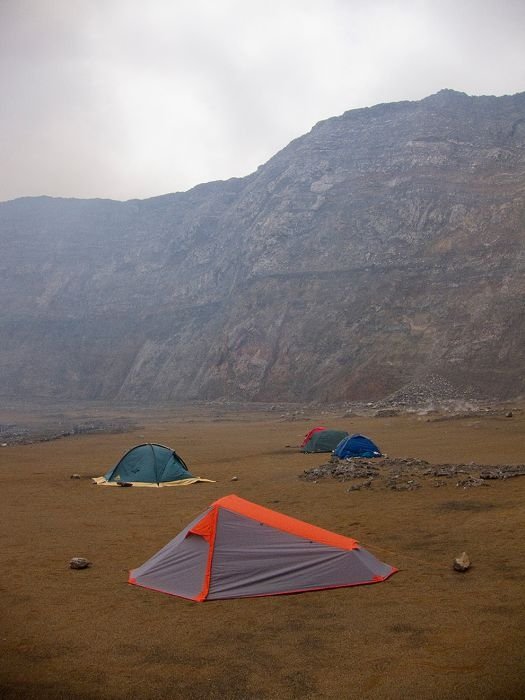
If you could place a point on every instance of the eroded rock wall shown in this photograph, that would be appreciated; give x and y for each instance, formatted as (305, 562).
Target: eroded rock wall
(385, 245)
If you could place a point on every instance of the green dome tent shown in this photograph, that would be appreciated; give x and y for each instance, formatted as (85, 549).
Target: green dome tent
(149, 465)
(324, 440)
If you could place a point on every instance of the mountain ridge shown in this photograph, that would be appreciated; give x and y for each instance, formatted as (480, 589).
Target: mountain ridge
(236, 288)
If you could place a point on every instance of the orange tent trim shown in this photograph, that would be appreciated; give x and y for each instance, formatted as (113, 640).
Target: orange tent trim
(285, 522)
(208, 531)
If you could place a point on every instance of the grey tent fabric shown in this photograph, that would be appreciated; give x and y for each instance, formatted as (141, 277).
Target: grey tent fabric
(179, 567)
(252, 559)
(236, 549)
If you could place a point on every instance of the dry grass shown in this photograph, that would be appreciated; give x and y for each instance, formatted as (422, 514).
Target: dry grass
(426, 633)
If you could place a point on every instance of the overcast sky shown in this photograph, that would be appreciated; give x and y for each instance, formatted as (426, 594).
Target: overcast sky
(134, 98)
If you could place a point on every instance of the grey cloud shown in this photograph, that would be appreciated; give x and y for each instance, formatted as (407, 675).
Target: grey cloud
(129, 99)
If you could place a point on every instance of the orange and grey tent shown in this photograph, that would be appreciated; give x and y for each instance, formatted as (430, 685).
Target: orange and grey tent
(237, 549)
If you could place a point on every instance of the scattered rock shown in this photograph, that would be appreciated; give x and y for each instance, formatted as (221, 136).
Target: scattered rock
(462, 563)
(404, 474)
(491, 474)
(75, 476)
(46, 432)
(342, 470)
(364, 485)
(79, 563)
(470, 482)
(410, 485)
(503, 472)
(4, 444)
(446, 470)
(433, 389)
(234, 478)
(508, 414)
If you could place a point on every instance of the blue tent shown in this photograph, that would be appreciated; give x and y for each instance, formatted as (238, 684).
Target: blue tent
(357, 446)
(150, 464)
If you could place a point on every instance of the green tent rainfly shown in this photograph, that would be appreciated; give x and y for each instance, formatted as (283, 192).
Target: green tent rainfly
(324, 440)
(148, 464)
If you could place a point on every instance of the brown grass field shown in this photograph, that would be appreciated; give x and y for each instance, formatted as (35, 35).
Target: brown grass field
(427, 632)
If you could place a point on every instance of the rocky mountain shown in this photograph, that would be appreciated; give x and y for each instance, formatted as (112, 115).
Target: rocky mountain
(383, 247)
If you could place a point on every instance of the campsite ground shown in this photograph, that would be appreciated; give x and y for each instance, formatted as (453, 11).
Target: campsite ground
(427, 632)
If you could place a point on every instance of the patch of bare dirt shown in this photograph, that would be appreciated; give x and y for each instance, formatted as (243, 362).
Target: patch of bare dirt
(24, 434)
(426, 633)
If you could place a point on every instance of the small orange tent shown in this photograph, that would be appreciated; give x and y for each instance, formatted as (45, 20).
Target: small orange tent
(238, 549)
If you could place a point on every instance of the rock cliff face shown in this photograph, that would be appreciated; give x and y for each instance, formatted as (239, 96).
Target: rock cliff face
(383, 246)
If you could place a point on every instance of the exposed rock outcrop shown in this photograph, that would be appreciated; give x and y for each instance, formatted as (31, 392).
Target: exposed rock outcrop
(384, 247)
